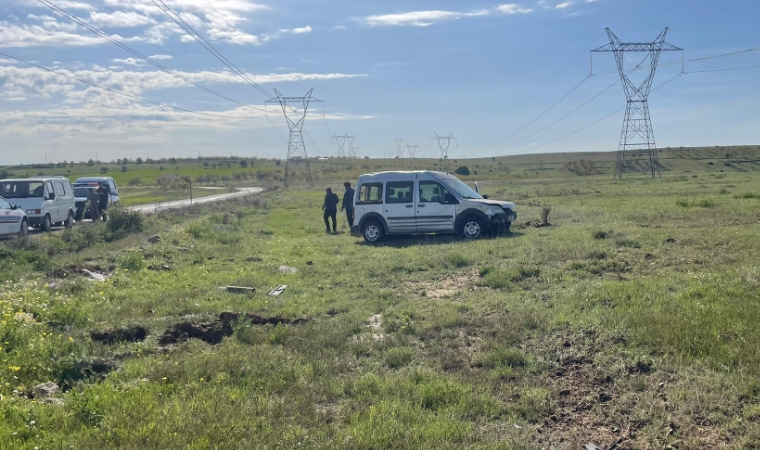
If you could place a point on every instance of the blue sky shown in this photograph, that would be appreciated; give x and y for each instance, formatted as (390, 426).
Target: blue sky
(385, 70)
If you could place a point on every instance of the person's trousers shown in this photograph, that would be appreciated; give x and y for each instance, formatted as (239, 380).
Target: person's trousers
(331, 214)
(94, 212)
(350, 217)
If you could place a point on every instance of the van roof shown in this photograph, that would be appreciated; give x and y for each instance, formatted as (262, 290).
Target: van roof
(57, 178)
(391, 174)
(91, 179)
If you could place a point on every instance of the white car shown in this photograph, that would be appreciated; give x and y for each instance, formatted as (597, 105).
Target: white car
(425, 202)
(13, 220)
(47, 201)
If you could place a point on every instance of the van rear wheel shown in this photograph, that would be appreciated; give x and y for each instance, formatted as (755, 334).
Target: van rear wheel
(47, 223)
(70, 221)
(373, 232)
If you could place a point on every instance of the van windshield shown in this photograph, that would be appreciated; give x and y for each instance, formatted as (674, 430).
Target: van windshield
(461, 188)
(22, 189)
(81, 191)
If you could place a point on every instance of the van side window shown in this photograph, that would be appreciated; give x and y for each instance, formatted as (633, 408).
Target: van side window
(67, 189)
(49, 187)
(58, 189)
(399, 192)
(371, 193)
(434, 192)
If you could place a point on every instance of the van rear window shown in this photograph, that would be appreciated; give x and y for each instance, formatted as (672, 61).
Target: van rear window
(22, 189)
(371, 193)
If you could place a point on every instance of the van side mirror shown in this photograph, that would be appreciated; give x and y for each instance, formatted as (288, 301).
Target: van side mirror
(485, 197)
(51, 196)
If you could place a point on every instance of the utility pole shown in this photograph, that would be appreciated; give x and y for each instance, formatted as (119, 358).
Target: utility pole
(412, 149)
(637, 151)
(295, 116)
(444, 143)
(400, 151)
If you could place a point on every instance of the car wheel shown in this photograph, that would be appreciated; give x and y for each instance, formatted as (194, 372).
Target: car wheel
(47, 224)
(70, 221)
(472, 228)
(24, 230)
(373, 232)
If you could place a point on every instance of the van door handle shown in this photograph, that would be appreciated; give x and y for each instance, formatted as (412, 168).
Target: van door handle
(410, 206)
(420, 206)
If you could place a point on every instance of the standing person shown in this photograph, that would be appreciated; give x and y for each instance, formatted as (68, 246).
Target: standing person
(103, 199)
(348, 204)
(330, 207)
(94, 199)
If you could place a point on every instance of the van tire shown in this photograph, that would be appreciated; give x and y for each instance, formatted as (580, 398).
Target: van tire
(472, 228)
(373, 232)
(47, 223)
(70, 221)
(24, 230)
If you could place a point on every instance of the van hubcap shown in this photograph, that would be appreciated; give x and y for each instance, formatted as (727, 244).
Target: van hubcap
(472, 230)
(372, 232)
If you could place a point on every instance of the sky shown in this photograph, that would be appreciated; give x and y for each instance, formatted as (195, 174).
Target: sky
(504, 78)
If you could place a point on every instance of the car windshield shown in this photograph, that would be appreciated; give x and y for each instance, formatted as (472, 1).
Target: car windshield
(461, 188)
(22, 189)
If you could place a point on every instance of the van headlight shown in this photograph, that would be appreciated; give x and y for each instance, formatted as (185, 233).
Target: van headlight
(493, 210)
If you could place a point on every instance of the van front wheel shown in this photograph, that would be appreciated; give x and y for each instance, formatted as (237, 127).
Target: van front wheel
(47, 224)
(373, 232)
(472, 228)
(70, 221)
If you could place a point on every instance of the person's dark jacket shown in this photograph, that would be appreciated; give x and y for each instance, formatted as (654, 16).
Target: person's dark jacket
(348, 199)
(331, 202)
(104, 196)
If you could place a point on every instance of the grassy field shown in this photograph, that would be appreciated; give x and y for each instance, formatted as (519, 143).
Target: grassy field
(630, 322)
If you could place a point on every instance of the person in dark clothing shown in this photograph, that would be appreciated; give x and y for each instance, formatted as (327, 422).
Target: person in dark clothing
(330, 207)
(348, 204)
(94, 200)
(103, 198)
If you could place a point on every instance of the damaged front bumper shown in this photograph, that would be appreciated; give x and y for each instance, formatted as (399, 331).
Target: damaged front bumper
(501, 223)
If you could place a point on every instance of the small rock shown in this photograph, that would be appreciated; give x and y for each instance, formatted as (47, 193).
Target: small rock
(309, 263)
(604, 397)
(565, 392)
(45, 390)
(155, 239)
(670, 240)
(289, 270)
(94, 276)
(52, 401)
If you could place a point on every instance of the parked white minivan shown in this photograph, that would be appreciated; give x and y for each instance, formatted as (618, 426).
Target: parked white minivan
(47, 201)
(425, 202)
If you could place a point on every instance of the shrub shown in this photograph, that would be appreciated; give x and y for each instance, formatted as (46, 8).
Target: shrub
(104, 170)
(462, 170)
(123, 168)
(122, 222)
(600, 235)
(135, 182)
(505, 357)
(746, 196)
(399, 357)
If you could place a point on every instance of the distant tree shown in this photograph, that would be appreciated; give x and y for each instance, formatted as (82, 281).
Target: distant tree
(462, 170)
(213, 166)
(90, 163)
(40, 174)
(123, 168)
(139, 160)
(161, 168)
(104, 170)
(277, 163)
(243, 163)
(205, 164)
(173, 160)
(71, 164)
(4, 174)
(229, 166)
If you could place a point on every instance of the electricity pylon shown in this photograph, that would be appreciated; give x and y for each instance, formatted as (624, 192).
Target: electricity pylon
(444, 143)
(412, 149)
(637, 151)
(352, 149)
(340, 142)
(295, 109)
(400, 152)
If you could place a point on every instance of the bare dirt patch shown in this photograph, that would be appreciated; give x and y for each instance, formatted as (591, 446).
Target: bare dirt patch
(80, 270)
(136, 333)
(445, 288)
(214, 332)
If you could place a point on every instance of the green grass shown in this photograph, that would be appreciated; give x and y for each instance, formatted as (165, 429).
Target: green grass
(628, 317)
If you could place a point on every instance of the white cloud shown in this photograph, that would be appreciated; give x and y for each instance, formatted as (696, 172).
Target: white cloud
(161, 57)
(306, 29)
(421, 18)
(119, 19)
(129, 61)
(513, 8)
(35, 35)
(563, 5)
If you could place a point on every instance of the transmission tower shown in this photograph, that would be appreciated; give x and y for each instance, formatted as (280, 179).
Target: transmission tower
(295, 109)
(444, 143)
(400, 152)
(340, 142)
(412, 149)
(637, 151)
(352, 149)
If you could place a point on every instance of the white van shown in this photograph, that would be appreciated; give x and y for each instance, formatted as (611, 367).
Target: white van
(46, 201)
(425, 202)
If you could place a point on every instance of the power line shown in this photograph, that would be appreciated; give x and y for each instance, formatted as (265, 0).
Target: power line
(163, 68)
(726, 69)
(198, 38)
(116, 91)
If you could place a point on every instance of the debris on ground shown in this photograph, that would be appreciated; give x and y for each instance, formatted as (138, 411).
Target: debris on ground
(71, 270)
(278, 290)
(99, 277)
(239, 290)
(155, 239)
(45, 390)
(289, 270)
(376, 324)
(161, 268)
(24, 317)
(215, 332)
(136, 333)
(52, 401)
